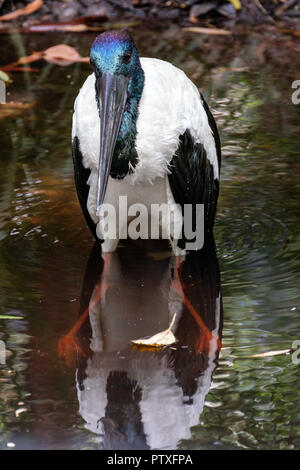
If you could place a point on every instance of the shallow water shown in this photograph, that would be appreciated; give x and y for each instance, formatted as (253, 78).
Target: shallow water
(83, 386)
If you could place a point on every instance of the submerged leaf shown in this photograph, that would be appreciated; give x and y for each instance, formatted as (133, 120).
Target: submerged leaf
(30, 58)
(12, 110)
(3, 76)
(61, 54)
(164, 338)
(10, 317)
(27, 10)
(272, 353)
(200, 30)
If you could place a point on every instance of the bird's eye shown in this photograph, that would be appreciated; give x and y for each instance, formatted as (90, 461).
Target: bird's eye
(126, 57)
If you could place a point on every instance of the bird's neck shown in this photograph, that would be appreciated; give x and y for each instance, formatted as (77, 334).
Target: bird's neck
(125, 156)
(127, 133)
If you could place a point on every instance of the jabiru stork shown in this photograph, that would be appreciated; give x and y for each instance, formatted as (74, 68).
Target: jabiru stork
(141, 129)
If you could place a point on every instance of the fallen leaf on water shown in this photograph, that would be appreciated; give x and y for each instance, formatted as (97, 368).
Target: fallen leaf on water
(73, 28)
(272, 353)
(30, 58)
(63, 55)
(200, 30)
(3, 76)
(20, 411)
(294, 32)
(27, 10)
(16, 68)
(164, 338)
(230, 69)
(10, 317)
(11, 110)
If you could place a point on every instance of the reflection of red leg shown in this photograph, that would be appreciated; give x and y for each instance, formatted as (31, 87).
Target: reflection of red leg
(67, 344)
(207, 335)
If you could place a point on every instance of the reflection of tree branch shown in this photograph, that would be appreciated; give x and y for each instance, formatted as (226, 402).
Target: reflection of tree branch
(17, 40)
(69, 91)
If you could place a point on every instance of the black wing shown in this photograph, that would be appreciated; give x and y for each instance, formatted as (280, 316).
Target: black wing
(81, 176)
(192, 178)
(213, 127)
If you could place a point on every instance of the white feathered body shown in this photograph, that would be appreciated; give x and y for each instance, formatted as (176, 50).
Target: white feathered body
(170, 104)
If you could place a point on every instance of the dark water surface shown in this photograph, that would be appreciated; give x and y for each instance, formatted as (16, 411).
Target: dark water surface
(83, 386)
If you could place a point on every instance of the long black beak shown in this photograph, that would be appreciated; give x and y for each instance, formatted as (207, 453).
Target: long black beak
(112, 90)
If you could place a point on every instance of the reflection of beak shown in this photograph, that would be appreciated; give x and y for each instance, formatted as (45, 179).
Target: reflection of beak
(112, 90)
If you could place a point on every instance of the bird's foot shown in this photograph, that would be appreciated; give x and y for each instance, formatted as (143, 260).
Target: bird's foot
(67, 346)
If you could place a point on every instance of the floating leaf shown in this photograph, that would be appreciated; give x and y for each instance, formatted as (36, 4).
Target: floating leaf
(73, 28)
(10, 317)
(200, 30)
(164, 338)
(236, 3)
(15, 68)
(20, 411)
(272, 353)
(27, 10)
(12, 110)
(61, 54)
(3, 76)
(30, 58)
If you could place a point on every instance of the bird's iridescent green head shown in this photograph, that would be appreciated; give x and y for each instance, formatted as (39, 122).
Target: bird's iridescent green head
(115, 52)
(119, 85)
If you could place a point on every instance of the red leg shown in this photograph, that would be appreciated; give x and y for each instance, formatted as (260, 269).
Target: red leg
(207, 335)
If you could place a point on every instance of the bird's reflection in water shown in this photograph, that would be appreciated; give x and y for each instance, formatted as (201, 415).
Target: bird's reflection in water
(141, 399)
